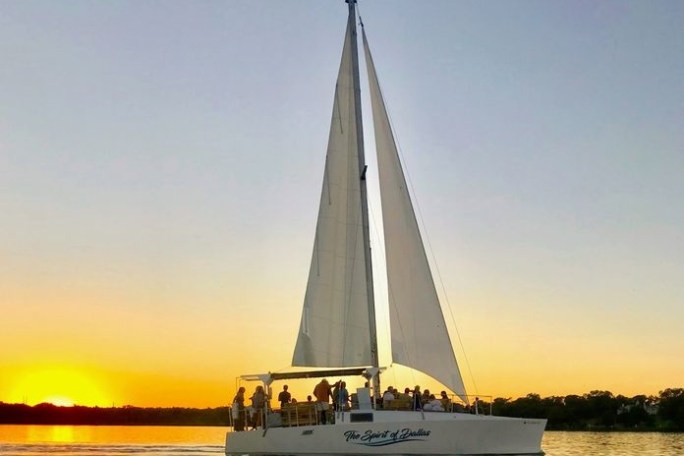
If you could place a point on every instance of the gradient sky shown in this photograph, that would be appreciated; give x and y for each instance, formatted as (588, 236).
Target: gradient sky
(161, 163)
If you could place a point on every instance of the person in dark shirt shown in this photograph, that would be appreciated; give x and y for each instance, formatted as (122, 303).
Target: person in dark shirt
(284, 397)
(417, 402)
(239, 410)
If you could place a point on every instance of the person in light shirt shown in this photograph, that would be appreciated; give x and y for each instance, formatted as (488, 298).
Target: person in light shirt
(388, 395)
(433, 405)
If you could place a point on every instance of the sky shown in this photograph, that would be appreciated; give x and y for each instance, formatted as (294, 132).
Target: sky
(161, 163)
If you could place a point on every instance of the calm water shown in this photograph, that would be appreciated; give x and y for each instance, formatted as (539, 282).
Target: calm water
(208, 441)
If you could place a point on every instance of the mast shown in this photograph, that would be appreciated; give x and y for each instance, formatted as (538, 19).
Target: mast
(364, 196)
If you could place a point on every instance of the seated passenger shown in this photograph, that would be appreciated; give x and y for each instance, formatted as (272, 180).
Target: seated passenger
(388, 395)
(433, 405)
(446, 402)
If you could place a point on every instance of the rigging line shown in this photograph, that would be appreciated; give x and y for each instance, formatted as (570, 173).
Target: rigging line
(427, 239)
(358, 11)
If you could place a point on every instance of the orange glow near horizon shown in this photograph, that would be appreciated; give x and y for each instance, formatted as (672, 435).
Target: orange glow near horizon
(58, 386)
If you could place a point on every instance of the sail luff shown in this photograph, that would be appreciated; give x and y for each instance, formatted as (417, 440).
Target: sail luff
(419, 335)
(375, 362)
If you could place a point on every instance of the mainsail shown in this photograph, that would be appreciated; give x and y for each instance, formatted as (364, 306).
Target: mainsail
(335, 329)
(420, 338)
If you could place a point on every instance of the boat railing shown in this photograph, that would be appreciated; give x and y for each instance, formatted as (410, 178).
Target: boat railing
(308, 414)
(480, 405)
(300, 414)
(450, 404)
(249, 418)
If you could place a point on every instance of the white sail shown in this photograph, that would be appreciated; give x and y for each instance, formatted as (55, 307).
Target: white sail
(338, 323)
(419, 335)
(335, 328)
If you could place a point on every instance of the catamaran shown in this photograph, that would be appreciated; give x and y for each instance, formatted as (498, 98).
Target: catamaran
(337, 335)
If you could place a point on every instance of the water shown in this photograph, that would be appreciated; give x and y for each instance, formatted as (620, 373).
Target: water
(208, 441)
(35, 440)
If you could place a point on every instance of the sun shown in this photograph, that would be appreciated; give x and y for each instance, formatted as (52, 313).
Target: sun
(61, 386)
(60, 401)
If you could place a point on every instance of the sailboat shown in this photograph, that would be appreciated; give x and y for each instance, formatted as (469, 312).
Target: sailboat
(337, 335)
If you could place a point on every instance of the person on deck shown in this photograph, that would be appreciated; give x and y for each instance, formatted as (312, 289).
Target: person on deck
(238, 410)
(434, 405)
(258, 404)
(446, 402)
(388, 397)
(322, 392)
(284, 397)
(342, 398)
(335, 392)
(417, 402)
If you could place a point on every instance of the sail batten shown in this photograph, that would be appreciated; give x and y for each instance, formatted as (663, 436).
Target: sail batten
(419, 335)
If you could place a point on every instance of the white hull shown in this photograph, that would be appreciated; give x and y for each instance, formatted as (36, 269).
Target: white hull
(396, 432)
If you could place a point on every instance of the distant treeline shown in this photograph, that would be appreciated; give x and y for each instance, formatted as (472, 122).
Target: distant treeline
(127, 415)
(597, 410)
(600, 410)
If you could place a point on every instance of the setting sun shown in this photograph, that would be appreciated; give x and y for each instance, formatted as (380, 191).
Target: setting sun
(59, 386)
(60, 401)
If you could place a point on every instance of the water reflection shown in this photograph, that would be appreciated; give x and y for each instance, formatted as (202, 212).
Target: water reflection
(205, 441)
(613, 444)
(171, 435)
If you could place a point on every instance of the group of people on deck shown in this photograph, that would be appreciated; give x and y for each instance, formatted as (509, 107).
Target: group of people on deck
(419, 401)
(249, 416)
(324, 393)
(338, 393)
(254, 415)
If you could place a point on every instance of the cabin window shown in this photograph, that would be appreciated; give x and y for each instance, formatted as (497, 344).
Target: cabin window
(361, 418)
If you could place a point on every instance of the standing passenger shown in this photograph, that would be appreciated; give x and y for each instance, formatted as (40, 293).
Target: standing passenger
(335, 392)
(417, 403)
(239, 407)
(322, 392)
(342, 397)
(259, 405)
(284, 397)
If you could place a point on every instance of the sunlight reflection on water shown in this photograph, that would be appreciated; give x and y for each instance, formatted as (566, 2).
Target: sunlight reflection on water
(206, 441)
(613, 444)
